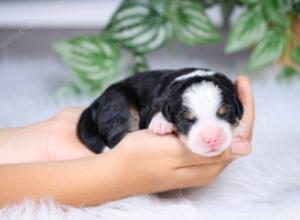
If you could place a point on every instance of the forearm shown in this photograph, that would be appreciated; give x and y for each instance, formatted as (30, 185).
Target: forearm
(23, 144)
(87, 181)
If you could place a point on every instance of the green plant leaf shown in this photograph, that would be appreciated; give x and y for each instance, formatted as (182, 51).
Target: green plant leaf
(276, 11)
(296, 9)
(287, 72)
(249, 2)
(209, 3)
(139, 64)
(190, 23)
(92, 59)
(267, 51)
(139, 27)
(227, 8)
(248, 29)
(295, 54)
(160, 5)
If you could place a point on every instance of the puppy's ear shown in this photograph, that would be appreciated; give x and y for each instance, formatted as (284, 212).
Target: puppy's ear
(224, 81)
(239, 109)
(170, 100)
(228, 85)
(167, 111)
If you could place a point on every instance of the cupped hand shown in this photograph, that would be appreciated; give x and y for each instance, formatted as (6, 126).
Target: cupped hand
(163, 163)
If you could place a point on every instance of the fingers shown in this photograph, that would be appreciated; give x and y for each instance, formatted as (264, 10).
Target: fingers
(246, 97)
(199, 175)
(192, 159)
(240, 147)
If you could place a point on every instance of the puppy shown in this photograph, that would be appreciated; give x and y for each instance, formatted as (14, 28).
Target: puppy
(200, 105)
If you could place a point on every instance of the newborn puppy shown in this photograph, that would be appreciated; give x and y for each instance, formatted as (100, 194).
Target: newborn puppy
(200, 105)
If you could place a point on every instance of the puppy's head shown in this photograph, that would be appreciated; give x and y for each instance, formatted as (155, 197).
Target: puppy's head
(204, 107)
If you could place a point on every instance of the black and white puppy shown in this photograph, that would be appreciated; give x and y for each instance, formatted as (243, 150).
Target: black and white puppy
(200, 105)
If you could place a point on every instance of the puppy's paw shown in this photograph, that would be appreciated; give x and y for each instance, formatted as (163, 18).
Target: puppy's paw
(159, 125)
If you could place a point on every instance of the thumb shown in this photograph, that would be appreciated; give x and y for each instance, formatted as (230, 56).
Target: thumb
(246, 97)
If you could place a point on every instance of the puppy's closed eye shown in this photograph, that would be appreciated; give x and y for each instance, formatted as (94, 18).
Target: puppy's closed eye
(223, 110)
(189, 116)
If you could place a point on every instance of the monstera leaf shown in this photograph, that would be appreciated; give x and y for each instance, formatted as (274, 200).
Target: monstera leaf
(248, 30)
(139, 27)
(92, 59)
(267, 51)
(190, 23)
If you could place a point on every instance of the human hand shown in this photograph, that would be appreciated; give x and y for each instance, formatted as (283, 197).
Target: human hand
(152, 163)
(62, 142)
(241, 143)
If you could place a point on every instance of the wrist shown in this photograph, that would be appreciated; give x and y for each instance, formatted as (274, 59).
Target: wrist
(135, 175)
(117, 178)
(106, 179)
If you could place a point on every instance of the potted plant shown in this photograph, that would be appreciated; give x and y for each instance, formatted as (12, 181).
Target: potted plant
(269, 28)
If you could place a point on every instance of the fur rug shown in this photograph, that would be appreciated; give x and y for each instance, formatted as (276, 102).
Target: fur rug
(263, 185)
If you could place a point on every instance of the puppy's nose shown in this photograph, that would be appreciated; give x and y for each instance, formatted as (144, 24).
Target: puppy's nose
(212, 138)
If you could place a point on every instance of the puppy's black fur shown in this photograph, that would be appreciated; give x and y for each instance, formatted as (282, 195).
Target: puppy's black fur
(131, 103)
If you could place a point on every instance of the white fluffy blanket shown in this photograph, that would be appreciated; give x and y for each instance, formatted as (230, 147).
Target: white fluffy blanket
(263, 185)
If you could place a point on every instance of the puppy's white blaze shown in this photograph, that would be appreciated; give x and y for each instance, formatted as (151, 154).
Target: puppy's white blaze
(204, 100)
(195, 73)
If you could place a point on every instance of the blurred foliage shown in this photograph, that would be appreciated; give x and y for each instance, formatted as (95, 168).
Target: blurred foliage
(268, 28)
(287, 72)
